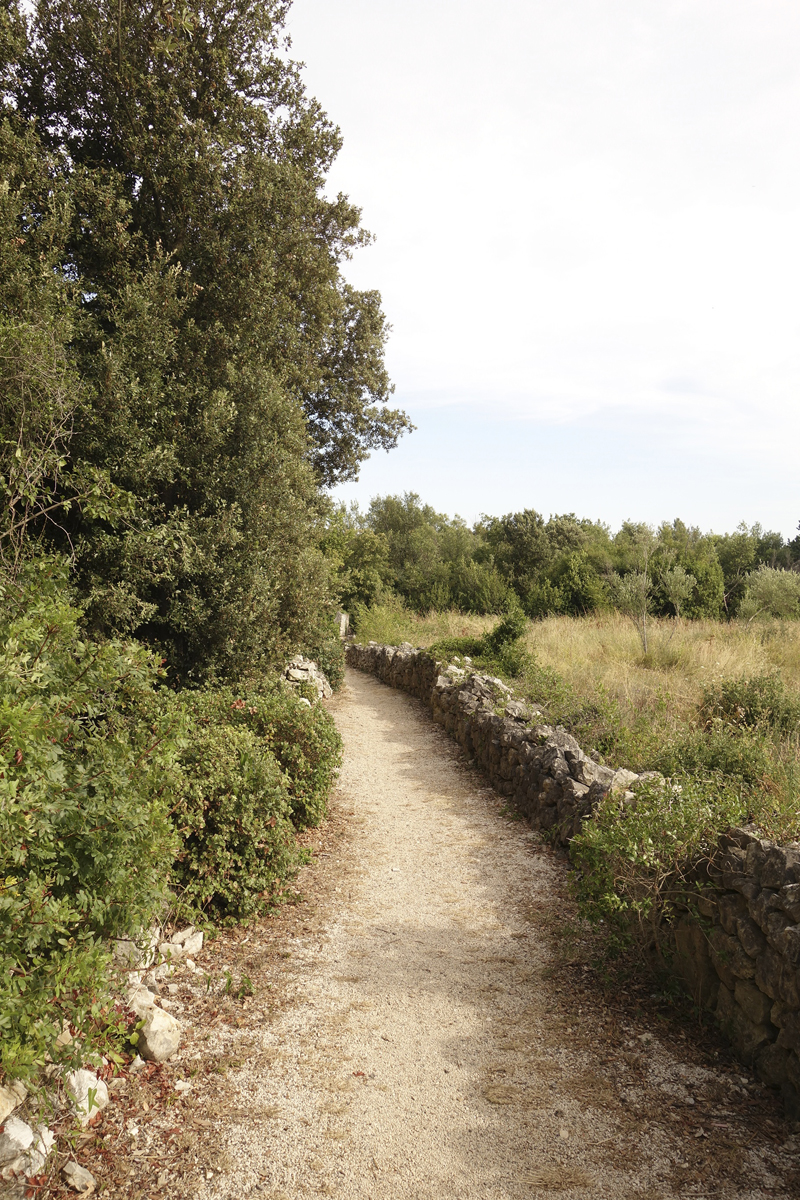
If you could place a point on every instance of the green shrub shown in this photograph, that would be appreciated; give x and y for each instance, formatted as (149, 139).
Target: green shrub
(746, 756)
(232, 811)
(85, 841)
(327, 651)
(631, 858)
(303, 739)
(305, 742)
(448, 648)
(385, 622)
(255, 766)
(507, 631)
(510, 660)
(598, 724)
(503, 654)
(762, 702)
(544, 686)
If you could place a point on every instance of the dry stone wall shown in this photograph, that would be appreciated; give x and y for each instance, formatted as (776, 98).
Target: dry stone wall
(735, 943)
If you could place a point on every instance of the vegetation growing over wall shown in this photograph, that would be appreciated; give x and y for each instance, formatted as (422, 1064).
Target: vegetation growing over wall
(258, 766)
(716, 702)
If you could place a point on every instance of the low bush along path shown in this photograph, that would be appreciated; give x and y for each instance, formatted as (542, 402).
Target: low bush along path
(437, 1029)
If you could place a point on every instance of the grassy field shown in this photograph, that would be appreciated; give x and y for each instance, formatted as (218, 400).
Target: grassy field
(684, 659)
(693, 705)
(393, 623)
(604, 651)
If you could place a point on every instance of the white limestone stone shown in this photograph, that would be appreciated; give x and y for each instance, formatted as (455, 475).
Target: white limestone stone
(89, 1094)
(160, 1036)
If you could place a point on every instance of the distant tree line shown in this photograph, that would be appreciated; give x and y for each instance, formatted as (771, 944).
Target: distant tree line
(558, 565)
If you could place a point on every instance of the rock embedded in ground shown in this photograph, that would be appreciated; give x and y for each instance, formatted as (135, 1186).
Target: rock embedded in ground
(185, 942)
(89, 1094)
(160, 1036)
(181, 935)
(141, 1000)
(23, 1151)
(78, 1178)
(43, 1141)
(623, 779)
(15, 1141)
(164, 970)
(9, 1100)
(194, 944)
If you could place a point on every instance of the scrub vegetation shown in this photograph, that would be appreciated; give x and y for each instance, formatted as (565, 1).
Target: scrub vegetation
(184, 371)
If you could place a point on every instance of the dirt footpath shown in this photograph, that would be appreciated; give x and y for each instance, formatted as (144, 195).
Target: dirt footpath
(441, 1034)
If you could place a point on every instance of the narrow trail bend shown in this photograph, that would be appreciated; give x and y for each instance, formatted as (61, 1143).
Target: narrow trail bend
(431, 1049)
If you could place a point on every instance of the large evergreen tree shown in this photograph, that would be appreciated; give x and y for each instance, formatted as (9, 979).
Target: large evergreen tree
(231, 368)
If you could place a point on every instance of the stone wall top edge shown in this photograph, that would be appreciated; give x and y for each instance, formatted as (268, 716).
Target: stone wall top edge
(738, 836)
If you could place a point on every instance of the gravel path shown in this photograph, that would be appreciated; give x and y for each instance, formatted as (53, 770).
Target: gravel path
(438, 1042)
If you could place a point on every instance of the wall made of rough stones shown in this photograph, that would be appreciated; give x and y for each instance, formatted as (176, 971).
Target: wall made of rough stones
(736, 944)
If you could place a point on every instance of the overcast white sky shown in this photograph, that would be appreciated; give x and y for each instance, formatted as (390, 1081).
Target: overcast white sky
(587, 243)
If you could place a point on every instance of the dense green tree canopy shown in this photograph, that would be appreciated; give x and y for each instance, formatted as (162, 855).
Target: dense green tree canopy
(221, 158)
(560, 565)
(227, 369)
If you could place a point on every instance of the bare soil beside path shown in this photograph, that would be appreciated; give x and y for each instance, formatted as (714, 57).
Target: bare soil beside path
(427, 1025)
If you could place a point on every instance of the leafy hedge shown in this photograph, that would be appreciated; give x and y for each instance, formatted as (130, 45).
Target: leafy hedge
(113, 789)
(85, 840)
(254, 768)
(305, 742)
(231, 810)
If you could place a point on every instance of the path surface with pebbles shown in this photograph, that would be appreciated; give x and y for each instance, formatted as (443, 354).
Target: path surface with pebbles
(437, 1041)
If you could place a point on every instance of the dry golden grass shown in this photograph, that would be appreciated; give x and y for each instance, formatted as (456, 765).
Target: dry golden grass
(392, 623)
(603, 653)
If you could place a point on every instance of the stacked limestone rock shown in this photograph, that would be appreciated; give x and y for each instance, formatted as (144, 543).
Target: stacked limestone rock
(401, 666)
(300, 670)
(737, 944)
(753, 947)
(541, 767)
